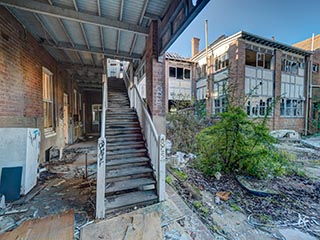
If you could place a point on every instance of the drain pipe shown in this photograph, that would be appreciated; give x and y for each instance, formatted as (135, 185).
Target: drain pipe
(309, 89)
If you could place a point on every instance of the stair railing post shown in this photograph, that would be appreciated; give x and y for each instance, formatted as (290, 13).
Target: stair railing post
(101, 156)
(161, 167)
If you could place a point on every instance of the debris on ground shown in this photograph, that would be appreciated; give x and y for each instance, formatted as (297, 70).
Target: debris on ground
(59, 226)
(295, 206)
(131, 226)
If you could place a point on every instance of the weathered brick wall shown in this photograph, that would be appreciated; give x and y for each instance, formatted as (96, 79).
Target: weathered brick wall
(155, 80)
(21, 62)
(237, 58)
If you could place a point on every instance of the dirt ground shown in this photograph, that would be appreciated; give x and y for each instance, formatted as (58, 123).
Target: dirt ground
(292, 213)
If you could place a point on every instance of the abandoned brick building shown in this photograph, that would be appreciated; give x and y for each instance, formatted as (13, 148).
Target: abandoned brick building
(53, 76)
(263, 71)
(178, 79)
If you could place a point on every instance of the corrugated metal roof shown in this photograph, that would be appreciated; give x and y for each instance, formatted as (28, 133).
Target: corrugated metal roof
(93, 35)
(75, 32)
(110, 9)
(73, 42)
(132, 11)
(110, 38)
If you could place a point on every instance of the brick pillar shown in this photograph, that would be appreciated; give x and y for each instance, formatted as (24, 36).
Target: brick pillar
(237, 66)
(277, 88)
(155, 80)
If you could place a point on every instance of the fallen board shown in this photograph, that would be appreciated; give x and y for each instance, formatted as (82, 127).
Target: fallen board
(132, 226)
(55, 227)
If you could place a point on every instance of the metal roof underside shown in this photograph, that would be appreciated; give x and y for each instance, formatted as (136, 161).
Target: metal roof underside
(78, 33)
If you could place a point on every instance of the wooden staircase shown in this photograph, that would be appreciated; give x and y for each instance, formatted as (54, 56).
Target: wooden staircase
(129, 176)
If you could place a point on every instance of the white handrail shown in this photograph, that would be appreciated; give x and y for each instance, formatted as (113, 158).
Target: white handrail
(155, 142)
(147, 115)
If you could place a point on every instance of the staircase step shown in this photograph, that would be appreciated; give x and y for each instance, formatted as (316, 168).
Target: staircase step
(125, 151)
(129, 184)
(117, 124)
(124, 161)
(127, 155)
(130, 172)
(130, 199)
(123, 136)
(110, 144)
(128, 146)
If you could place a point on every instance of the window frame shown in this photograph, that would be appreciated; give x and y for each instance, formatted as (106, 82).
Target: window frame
(48, 100)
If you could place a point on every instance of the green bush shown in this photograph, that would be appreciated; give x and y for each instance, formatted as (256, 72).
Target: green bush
(237, 143)
(184, 123)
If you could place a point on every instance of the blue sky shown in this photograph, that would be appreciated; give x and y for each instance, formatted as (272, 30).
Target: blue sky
(289, 21)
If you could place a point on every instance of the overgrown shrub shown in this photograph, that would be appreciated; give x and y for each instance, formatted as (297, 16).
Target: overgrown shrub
(184, 123)
(237, 143)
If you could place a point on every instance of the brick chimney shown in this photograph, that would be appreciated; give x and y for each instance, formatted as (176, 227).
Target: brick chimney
(194, 46)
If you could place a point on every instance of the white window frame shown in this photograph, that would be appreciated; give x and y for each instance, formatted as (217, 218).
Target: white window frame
(48, 99)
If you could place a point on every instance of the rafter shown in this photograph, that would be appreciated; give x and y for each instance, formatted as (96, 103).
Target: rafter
(93, 50)
(64, 13)
(133, 44)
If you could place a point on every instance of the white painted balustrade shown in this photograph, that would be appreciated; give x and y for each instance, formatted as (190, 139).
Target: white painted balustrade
(156, 143)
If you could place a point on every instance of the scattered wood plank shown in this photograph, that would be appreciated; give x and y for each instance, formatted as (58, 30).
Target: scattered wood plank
(131, 226)
(59, 226)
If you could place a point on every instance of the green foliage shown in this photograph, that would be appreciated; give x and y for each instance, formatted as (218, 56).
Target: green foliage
(237, 143)
(235, 207)
(169, 180)
(180, 174)
(201, 207)
(184, 123)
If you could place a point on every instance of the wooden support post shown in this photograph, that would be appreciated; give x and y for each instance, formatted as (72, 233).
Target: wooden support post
(101, 157)
(162, 168)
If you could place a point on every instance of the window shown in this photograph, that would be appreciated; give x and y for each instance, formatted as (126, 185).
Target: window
(259, 106)
(315, 67)
(48, 101)
(221, 61)
(292, 90)
(96, 113)
(292, 65)
(172, 72)
(204, 70)
(187, 73)
(258, 59)
(180, 73)
(291, 107)
(219, 94)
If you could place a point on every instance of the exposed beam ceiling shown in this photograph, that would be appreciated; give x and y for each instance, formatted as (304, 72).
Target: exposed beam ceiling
(54, 11)
(79, 67)
(93, 50)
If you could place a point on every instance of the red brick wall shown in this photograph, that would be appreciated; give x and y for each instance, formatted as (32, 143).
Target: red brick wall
(155, 74)
(237, 57)
(21, 62)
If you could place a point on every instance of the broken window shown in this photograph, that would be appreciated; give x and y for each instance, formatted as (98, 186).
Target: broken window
(47, 94)
(180, 73)
(259, 106)
(292, 65)
(291, 107)
(221, 61)
(258, 59)
(172, 72)
(187, 73)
